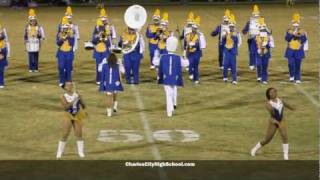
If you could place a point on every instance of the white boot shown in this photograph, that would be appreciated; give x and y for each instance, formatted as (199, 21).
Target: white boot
(285, 151)
(109, 112)
(80, 145)
(255, 149)
(115, 106)
(60, 150)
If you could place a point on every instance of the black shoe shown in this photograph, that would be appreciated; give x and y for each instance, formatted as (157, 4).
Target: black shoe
(175, 107)
(114, 110)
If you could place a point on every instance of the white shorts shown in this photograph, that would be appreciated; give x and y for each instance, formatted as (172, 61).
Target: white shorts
(110, 93)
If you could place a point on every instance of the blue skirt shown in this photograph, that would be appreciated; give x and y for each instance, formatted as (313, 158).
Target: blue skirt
(104, 87)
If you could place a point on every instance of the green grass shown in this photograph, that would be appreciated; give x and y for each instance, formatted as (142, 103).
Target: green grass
(230, 119)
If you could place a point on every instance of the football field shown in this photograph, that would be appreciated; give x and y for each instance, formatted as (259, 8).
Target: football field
(214, 120)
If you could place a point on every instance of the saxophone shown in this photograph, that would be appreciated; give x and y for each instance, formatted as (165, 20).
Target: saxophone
(262, 43)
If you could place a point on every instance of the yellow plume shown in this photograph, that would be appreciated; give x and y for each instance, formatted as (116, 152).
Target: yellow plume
(296, 18)
(32, 13)
(156, 13)
(227, 13)
(165, 17)
(103, 12)
(64, 20)
(255, 10)
(68, 11)
(232, 19)
(190, 17)
(197, 20)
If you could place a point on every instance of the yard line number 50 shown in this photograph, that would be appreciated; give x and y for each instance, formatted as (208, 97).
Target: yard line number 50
(128, 136)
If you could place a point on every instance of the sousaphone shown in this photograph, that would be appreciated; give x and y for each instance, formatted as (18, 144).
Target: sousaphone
(135, 17)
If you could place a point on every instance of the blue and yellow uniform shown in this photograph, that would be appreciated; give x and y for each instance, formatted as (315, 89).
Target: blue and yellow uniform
(164, 35)
(131, 60)
(263, 44)
(230, 43)
(251, 28)
(3, 57)
(65, 54)
(193, 53)
(102, 44)
(110, 78)
(297, 41)
(151, 34)
(220, 32)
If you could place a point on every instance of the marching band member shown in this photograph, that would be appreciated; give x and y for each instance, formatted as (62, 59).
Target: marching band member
(3, 54)
(162, 35)
(252, 29)
(102, 46)
(132, 58)
(65, 54)
(221, 30)
(188, 27)
(231, 42)
(152, 34)
(111, 81)
(108, 26)
(194, 43)
(275, 107)
(170, 73)
(264, 42)
(73, 26)
(296, 38)
(33, 36)
(74, 114)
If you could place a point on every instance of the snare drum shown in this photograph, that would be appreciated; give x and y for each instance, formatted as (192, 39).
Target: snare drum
(33, 45)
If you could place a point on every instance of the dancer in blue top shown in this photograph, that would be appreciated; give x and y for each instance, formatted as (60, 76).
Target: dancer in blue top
(111, 81)
(275, 107)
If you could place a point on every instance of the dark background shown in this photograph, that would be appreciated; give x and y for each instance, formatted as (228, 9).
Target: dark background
(123, 2)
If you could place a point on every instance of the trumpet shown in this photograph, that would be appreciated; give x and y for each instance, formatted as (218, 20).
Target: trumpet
(65, 33)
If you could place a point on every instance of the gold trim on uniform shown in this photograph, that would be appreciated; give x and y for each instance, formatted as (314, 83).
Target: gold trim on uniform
(128, 39)
(153, 29)
(295, 43)
(81, 114)
(192, 38)
(162, 41)
(2, 44)
(101, 47)
(65, 47)
(33, 31)
(262, 43)
(229, 41)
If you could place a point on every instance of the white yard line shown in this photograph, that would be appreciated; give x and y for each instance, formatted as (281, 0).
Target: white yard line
(148, 132)
(313, 100)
